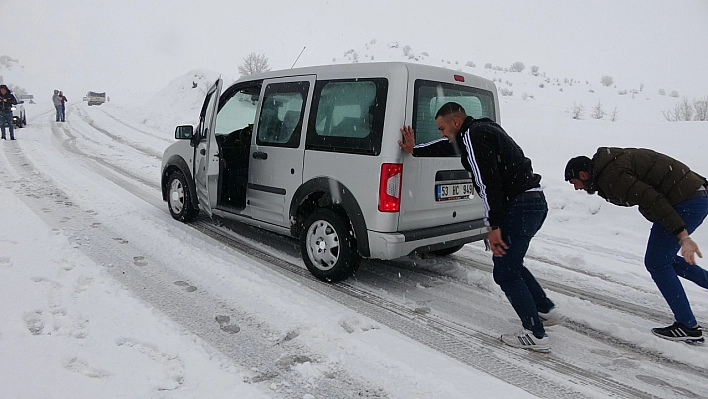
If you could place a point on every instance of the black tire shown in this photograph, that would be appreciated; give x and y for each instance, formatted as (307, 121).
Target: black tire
(447, 251)
(179, 199)
(24, 120)
(19, 124)
(328, 246)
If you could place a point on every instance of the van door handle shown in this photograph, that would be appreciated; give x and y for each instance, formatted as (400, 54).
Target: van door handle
(260, 155)
(202, 151)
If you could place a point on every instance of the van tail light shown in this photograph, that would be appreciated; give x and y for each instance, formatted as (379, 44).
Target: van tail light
(390, 187)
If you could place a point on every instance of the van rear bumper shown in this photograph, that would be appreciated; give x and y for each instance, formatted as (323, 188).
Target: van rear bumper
(394, 245)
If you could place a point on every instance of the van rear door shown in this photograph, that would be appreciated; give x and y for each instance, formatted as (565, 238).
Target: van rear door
(437, 191)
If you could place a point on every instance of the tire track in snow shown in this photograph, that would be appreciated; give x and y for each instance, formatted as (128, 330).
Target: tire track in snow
(160, 286)
(452, 352)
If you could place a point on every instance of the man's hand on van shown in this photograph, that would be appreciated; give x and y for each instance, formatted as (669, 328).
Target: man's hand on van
(408, 139)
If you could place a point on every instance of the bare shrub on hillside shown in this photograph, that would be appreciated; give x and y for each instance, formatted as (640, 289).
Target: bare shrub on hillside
(607, 80)
(701, 107)
(541, 85)
(674, 93)
(488, 65)
(641, 87)
(254, 63)
(622, 92)
(524, 96)
(470, 64)
(613, 115)
(662, 92)
(534, 70)
(683, 111)
(518, 66)
(506, 92)
(597, 111)
(578, 111)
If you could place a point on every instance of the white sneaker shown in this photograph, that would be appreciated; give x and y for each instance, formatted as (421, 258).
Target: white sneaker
(526, 340)
(553, 317)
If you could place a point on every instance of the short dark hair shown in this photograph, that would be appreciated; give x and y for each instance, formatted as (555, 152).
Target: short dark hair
(577, 165)
(448, 109)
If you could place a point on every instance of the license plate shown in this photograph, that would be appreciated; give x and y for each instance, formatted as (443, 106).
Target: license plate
(450, 192)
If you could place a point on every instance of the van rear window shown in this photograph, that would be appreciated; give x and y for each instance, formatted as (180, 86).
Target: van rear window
(430, 96)
(347, 116)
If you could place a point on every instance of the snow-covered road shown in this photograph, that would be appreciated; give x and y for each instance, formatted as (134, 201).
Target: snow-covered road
(413, 328)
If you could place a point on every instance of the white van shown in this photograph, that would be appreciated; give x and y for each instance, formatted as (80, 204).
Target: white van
(313, 153)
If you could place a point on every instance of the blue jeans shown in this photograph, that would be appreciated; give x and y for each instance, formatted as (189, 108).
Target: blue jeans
(6, 119)
(665, 266)
(59, 112)
(522, 219)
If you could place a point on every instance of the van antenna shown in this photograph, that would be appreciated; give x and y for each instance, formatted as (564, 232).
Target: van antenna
(298, 57)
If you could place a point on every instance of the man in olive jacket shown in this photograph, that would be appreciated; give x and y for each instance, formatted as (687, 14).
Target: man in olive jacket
(669, 195)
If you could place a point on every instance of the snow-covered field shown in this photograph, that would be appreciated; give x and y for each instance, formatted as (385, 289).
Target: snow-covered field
(105, 295)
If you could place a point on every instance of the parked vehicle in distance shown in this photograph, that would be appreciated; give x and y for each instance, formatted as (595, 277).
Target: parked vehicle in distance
(19, 116)
(96, 98)
(313, 153)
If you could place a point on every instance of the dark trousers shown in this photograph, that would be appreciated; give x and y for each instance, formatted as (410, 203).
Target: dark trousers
(666, 267)
(6, 119)
(523, 217)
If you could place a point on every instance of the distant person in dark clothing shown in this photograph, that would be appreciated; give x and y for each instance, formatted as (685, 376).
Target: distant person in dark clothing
(57, 104)
(7, 100)
(669, 195)
(515, 209)
(63, 105)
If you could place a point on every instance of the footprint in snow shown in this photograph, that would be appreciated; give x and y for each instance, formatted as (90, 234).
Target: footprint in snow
(81, 366)
(188, 287)
(225, 326)
(140, 261)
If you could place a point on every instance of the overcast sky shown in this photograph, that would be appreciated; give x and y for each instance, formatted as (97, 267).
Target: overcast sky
(110, 45)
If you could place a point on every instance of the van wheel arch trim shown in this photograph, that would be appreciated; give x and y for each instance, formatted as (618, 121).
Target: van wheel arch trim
(347, 202)
(179, 163)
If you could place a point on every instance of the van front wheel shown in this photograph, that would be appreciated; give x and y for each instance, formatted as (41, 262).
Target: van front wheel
(328, 246)
(178, 198)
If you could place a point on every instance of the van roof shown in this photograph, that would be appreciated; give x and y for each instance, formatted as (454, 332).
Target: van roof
(403, 67)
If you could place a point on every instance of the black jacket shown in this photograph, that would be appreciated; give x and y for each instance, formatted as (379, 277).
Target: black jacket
(7, 101)
(497, 163)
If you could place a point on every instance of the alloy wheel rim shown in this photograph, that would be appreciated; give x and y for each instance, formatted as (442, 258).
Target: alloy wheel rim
(176, 196)
(323, 245)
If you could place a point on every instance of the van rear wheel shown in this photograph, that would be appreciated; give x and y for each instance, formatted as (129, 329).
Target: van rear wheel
(179, 199)
(328, 246)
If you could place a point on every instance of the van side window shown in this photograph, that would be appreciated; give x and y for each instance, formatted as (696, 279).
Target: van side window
(430, 96)
(237, 113)
(347, 116)
(282, 110)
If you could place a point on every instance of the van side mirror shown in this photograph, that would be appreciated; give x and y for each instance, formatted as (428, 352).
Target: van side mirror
(21, 102)
(184, 132)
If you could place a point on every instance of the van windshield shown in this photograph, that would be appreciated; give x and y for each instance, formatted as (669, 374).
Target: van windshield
(430, 96)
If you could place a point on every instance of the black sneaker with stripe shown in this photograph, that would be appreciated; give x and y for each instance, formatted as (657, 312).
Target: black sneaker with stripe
(679, 332)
